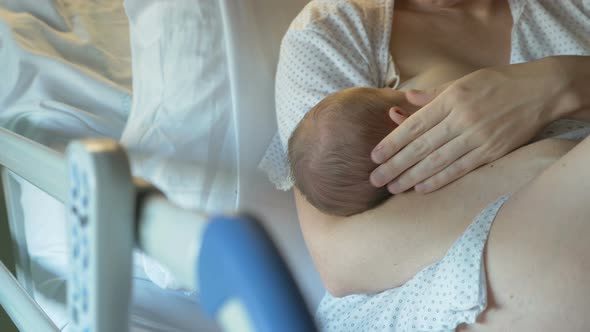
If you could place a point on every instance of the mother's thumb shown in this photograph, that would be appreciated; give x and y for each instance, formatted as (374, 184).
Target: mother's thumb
(421, 97)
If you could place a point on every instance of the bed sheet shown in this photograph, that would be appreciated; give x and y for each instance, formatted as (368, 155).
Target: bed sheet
(254, 30)
(232, 48)
(69, 76)
(153, 308)
(66, 74)
(66, 69)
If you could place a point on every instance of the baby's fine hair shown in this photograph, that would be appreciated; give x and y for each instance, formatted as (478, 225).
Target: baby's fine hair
(330, 151)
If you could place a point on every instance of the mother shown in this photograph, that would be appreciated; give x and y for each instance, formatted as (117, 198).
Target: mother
(533, 278)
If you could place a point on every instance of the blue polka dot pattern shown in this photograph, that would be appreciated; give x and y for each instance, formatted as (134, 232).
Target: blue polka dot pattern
(439, 298)
(332, 45)
(548, 27)
(337, 44)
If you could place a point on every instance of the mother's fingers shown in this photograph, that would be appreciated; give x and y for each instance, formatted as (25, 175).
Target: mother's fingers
(459, 168)
(414, 152)
(412, 128)
(431, 165)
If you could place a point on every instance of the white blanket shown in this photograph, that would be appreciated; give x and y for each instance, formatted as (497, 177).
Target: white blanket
(66, 74)
(65, 69)
(214, 64)
(69, 76)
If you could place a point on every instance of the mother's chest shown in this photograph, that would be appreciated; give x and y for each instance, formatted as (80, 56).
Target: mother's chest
(431, 49)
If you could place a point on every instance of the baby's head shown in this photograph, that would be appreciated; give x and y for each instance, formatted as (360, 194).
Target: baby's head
(330, 150)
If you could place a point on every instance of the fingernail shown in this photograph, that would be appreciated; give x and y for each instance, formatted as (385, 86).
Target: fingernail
(421, 188)
(377, 179)
(394, 187)
(376, 155)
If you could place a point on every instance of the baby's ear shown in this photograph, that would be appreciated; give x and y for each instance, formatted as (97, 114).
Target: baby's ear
(397, 115)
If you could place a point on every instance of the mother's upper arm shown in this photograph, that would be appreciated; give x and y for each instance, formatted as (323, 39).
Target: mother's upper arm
(384, 247)
(367, 252)
(317, 227)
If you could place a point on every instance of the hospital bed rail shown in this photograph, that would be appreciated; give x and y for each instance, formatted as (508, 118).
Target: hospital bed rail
(241, 280)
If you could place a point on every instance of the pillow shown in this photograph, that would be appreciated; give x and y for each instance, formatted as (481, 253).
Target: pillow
(203, 78)
(181, 111)
(63, 78)
(254, 30)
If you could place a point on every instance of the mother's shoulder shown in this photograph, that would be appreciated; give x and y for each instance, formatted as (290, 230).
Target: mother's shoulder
(342, 12)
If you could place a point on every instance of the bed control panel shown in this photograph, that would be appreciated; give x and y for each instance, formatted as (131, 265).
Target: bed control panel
(100, 226)
(79, 246)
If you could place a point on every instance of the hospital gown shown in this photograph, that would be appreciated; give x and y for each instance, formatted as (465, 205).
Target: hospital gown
(337, 44)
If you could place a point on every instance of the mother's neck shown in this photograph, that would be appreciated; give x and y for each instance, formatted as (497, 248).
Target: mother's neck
(474, 6)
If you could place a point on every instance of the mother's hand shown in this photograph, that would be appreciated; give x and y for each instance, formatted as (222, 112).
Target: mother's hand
(465, 124)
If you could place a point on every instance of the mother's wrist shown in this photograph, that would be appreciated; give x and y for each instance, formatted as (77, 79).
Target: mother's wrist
(572, 75)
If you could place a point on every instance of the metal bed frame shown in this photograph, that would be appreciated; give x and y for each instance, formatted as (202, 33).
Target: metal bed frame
(243, 282)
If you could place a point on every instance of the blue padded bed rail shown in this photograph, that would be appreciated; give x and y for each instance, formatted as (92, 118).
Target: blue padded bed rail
(239, 261)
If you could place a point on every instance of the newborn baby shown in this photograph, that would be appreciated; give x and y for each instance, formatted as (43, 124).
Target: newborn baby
(329, 151)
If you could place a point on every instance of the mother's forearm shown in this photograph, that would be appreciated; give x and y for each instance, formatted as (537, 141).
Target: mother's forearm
(572, 74)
